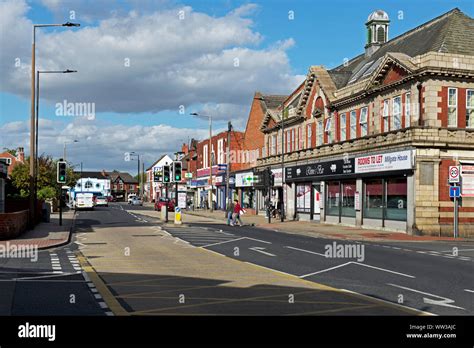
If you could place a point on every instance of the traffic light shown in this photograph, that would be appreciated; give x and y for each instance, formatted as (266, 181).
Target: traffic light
(61, 172)
(177, 171)
(166, 174)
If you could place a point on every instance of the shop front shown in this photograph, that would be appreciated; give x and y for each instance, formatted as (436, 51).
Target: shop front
(373, 190)
(276, 192)
(244, 183)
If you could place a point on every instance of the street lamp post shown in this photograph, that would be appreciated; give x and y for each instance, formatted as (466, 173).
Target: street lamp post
(33, 173)
(64, 148)
(209, 156)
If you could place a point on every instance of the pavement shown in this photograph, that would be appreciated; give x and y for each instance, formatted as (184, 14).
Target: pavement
(46, 234)
(312, 228)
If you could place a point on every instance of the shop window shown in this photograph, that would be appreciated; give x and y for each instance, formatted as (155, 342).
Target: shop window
(343, 127)
(396, 199)
(452, 107)
(363, 122)
(303, 198)
(348, 189)
(397, 113)
(332, 203)
(353, 125)
(373, 200)
(248, 199)
(470, 108)
(407, 110)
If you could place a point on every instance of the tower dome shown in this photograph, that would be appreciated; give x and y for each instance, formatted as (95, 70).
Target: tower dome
(377, 31)
(378, 15)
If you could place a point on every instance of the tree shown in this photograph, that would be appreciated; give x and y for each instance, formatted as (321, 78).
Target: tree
(10, 151)
(46, 177)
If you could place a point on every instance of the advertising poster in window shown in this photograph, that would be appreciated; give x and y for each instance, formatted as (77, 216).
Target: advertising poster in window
(303, 198)
(467, 181)
(317, 200)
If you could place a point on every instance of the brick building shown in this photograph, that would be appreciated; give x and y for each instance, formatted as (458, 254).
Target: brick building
(199, 165)
(369, 142)
(13, 160)
(122, 184)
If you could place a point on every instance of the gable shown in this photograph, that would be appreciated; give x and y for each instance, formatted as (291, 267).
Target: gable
(394, 74)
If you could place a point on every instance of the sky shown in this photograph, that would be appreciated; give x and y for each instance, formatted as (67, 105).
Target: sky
(144, 65)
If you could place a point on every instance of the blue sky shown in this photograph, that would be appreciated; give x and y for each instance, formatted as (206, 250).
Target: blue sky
(321, 33)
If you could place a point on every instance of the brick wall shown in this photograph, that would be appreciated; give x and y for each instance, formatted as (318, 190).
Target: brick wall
(13, 224)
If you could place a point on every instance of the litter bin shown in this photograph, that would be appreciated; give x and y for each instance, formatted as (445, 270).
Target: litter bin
(46, 212)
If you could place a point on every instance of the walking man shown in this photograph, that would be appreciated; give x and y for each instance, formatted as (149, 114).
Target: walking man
(237, 210)
(229, 212)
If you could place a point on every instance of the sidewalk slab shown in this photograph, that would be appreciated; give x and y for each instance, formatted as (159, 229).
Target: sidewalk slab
(46, 234)
(315, 229)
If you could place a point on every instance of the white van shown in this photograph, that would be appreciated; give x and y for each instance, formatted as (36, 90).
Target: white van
(84, 200)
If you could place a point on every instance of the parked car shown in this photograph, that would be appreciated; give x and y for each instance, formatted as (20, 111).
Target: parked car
(84, 200)
(164, 202)
(130, 197)
(136, 201)
(102, 201)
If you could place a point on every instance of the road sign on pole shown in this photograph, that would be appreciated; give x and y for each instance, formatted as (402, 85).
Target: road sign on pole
(454, 191)
(453, 174)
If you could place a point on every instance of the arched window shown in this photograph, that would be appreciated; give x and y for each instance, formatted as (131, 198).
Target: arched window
(97, 185)
(88, 184)
(380, 34)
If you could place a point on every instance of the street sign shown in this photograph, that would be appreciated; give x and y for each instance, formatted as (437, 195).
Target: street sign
(222, 167)
(158, 174)
(454, 191)
(188, 175)
(453, 173)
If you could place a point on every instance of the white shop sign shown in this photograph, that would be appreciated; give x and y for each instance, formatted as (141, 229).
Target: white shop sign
(277, 176)
(401, 160)
(244, 179)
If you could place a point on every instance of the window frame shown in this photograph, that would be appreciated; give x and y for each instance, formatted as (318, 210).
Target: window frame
(407, 109)
(397, 116)
(364, 123)
(386, 115)
(353, 125)
(469, 121)
(343, 126)
(452, 106)
(308, 135)
(320, 133)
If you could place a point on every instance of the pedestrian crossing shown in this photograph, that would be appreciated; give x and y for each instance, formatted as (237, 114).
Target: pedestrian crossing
(201, 236)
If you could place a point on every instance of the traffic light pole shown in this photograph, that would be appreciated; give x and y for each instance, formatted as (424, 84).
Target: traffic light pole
(166, 195)
(60, 206)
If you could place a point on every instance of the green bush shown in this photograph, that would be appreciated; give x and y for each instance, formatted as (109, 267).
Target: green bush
(46, 193)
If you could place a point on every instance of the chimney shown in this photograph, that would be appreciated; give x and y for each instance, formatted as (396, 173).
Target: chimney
(377, 31)
(20, 155)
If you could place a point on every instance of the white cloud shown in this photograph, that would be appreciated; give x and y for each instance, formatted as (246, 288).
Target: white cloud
(173, 62)
(100, 146)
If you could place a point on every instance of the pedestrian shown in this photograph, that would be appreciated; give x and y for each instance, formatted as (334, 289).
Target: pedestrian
(237, 210)
(229, 212)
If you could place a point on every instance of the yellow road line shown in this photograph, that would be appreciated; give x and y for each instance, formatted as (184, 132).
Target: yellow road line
(104, 291)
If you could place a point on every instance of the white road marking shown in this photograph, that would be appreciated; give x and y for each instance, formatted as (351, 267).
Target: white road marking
(360, 264)
(325, 270)
(305, 251)
(445, 302)
(227, 241)
(385, 301)
(383, 269)
(260, 250)
(469, 290)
